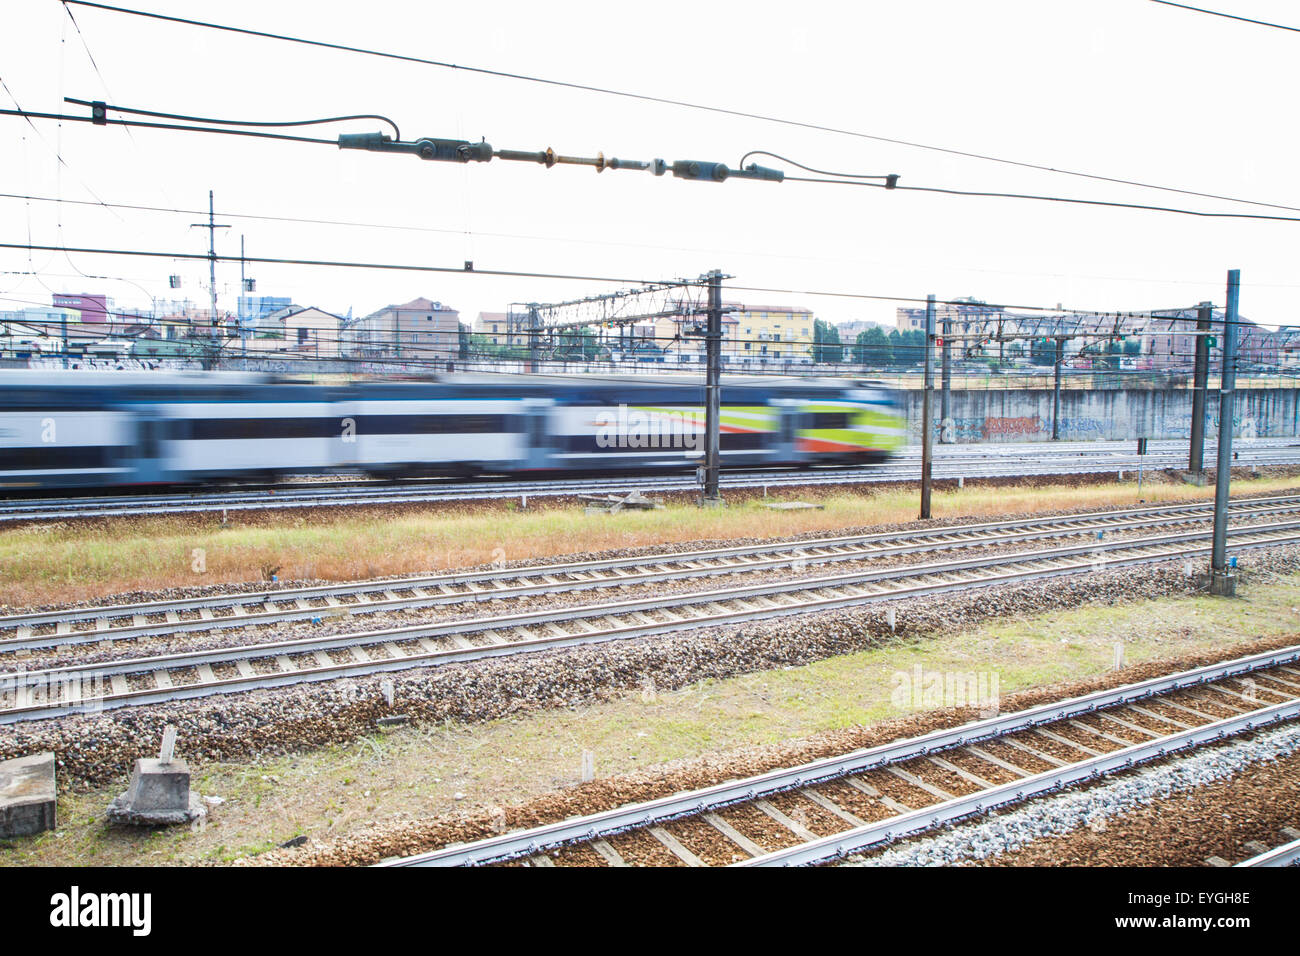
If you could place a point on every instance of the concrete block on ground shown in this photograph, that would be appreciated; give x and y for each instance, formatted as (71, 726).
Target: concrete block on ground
(27, 796)
(159, 795)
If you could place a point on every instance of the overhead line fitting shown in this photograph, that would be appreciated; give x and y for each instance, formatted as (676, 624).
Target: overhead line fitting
(463, 151)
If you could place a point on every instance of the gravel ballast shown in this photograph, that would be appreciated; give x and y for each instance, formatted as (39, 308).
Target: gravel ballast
(95, 748)
(1092, 806)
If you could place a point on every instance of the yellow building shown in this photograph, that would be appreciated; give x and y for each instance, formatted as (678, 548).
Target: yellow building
(777, 333)
(502, 328)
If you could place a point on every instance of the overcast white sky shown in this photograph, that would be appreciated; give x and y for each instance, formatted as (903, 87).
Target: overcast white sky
(1124, 88)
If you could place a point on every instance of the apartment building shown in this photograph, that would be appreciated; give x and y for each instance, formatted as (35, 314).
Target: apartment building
(421, 329)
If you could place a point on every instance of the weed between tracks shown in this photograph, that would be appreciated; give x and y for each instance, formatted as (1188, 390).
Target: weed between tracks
(75, 561)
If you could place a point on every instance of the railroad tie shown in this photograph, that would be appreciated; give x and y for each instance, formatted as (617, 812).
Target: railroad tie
(675, 847)
(794, 826)
(858, 783)
(916, 781)
(1277, 680)
(608, 853)
(997, 761)
(734, 835)
(831, 807)
(1203, 717)
(1033, 752)
(1231, 705)
(961, 772)
(1154, 716)
(1136, 728)
(1065, 741)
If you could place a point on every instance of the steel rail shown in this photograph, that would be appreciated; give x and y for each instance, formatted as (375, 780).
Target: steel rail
(656, 603)
(1288, 854)
(663, 809)
(825, 593)
(951, 811)
(746, 558)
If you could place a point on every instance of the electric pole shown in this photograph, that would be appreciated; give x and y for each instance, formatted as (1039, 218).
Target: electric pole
(944, 409)
(713, 391)
(927, 431)
(1056, 389)
(239, 307)
(1200, 380)
(211, 349)
(1222, 580)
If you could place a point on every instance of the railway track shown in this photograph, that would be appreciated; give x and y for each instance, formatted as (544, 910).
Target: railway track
(832, 808)
(46, 629)
(950, 463)
(160, 678)
(1284, 854)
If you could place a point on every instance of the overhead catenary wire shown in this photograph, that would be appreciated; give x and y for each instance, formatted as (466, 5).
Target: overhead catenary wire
(539, 237)
(891, 185)
(332, 263)
(801, 124)
(1228, 16)
(141, 124)
(1041, 198)
(227, 122)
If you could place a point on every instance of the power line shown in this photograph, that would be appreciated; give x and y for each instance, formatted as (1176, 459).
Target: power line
(507, 273)
(487, 151)
(538, 237)
(63, 117)
(663, 101)
(225, 122)
(1228, 16)
(1040, 198)
(335, 263)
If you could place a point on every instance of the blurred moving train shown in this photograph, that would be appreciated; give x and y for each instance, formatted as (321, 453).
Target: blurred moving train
(102, 429)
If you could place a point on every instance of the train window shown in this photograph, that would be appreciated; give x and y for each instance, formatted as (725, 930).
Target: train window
(51, 458)
(431, 424)
(226, 429)
(831, 420)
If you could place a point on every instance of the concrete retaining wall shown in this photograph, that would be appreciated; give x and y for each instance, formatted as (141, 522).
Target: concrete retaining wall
(1114, 414)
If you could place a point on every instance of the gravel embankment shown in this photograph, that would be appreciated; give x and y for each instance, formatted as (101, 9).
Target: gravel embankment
(404, 834)
(95, 748)
(1134, 802)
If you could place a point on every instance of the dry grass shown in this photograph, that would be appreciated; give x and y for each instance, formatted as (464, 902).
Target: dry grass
(52, 563)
